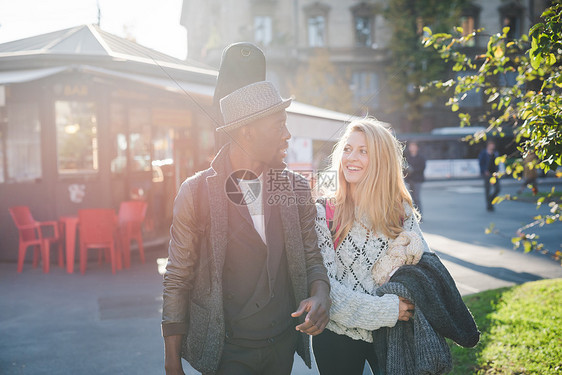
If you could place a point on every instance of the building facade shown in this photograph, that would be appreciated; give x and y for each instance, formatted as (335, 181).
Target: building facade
(354, 34)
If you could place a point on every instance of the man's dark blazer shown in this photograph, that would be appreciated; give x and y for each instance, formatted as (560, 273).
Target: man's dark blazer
(193, 294)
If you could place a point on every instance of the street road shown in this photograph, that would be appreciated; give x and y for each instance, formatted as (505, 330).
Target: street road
(104, 324)
(454, 225)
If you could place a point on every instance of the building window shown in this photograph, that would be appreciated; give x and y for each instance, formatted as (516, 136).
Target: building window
(511, 15)
(316, 31)
(163, 152)
(363, 24)
(77, 137)
(118, 128)
(514, 24)
(472, 98)
(469, 21)
(139, 139)
(468, 26)
(263, 30)
(20, 144)
(316, 15)
(365, 88)
(162, 144)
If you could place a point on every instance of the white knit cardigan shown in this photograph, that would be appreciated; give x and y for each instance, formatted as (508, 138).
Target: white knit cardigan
(356, 309)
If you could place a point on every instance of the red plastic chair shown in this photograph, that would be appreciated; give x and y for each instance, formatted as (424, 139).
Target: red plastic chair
(98, 228)
(131, 217)
(31, 234)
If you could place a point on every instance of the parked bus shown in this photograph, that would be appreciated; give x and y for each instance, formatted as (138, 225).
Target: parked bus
(449, 155)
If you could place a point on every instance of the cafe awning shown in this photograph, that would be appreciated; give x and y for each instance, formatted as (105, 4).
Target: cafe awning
(28, 75)
(165, 83)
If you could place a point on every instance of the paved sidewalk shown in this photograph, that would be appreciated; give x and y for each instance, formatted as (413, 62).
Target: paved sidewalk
(100, 323)
(97, 323)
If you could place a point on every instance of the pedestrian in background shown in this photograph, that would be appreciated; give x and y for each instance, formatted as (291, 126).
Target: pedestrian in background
(415, 168)
(488, 171)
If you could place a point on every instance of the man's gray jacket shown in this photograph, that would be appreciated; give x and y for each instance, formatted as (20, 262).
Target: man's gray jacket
(193, 294)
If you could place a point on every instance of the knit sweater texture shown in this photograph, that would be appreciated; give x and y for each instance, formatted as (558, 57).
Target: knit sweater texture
(356, 309)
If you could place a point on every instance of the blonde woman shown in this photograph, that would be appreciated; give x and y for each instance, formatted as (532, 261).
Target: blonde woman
(370, 208)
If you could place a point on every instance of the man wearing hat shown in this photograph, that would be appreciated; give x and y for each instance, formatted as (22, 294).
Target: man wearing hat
(245, 282)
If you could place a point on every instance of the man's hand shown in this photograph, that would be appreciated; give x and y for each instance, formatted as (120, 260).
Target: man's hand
(317, 307)
(172, 360)
(405, 309)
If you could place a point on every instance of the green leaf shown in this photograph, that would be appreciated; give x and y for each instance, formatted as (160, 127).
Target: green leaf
(454, 107)
(534, 47)
(427, 30)
(526, 114)
(536, 61)
(540, 200)
(458, 67)
(493, 97)
(535, 27)
(527, 246)
(490, 229)
(499, 52)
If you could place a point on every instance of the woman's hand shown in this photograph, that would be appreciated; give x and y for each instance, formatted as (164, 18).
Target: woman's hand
(405, 309)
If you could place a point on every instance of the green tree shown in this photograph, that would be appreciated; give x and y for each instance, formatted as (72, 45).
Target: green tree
(320, 83)
(413, 65)
(531, 109)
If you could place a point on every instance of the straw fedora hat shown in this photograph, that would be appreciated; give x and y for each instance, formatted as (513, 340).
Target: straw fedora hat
(251, 103)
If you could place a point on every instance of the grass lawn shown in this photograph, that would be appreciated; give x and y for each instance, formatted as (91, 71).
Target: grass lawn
(527, 196)
(521, 331)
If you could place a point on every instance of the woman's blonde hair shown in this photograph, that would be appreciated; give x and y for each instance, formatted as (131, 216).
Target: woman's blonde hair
(380, 196)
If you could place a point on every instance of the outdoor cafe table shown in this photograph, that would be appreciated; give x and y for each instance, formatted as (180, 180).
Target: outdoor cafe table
(69, 225)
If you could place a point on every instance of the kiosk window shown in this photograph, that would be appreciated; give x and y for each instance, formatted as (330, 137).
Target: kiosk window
(118, 128)
(139, 139)
(77, 137)
(20, 144)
